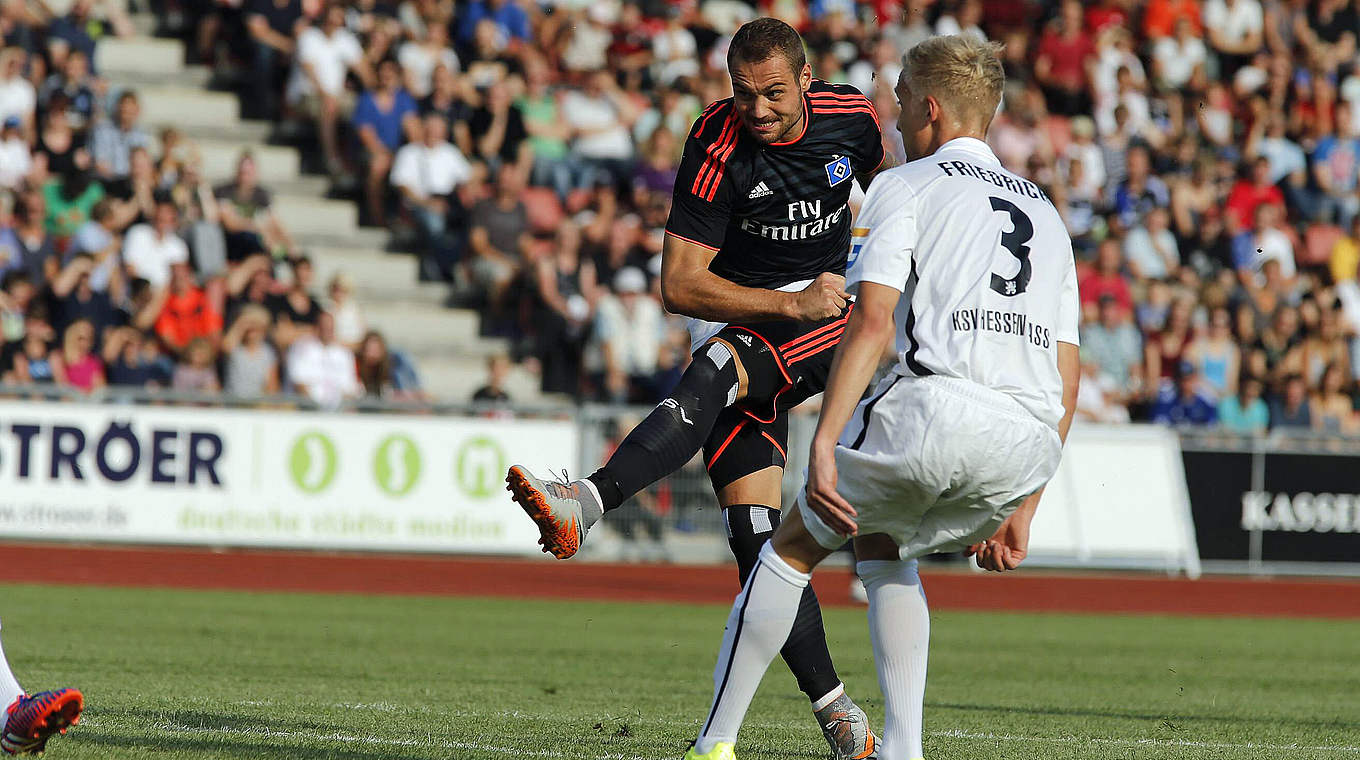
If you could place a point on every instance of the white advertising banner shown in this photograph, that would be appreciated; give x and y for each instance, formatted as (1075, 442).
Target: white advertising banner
(269, 477)
(1119, 499)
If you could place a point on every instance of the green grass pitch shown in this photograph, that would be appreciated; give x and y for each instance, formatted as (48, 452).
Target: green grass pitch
(185, 674)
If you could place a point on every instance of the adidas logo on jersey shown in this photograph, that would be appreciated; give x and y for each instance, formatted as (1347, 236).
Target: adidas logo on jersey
(745, 339)
(759, 191)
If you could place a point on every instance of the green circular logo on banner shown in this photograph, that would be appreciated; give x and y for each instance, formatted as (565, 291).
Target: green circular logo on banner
(396, 465)
(479, 467)
(313, 462)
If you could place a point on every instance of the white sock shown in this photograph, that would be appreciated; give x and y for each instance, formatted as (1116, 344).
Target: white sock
(756, 630)
(9, 688)
(899, 624)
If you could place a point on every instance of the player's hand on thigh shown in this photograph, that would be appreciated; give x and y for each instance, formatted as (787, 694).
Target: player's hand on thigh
(1007, 548)
(822, 497)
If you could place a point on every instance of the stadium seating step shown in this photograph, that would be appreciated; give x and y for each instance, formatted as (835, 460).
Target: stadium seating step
(379, 277)
(276, 164)
(434, 332)
(183, 107)
(115, 57)
(455, 379)
(302, 214)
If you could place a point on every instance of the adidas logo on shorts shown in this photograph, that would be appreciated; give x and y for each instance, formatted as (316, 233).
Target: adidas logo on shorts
(759, 191)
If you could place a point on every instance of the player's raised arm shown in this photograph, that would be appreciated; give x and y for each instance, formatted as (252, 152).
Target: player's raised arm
(689, 288)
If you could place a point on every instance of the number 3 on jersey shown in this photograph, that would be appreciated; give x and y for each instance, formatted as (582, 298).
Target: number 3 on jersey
(1022, 229)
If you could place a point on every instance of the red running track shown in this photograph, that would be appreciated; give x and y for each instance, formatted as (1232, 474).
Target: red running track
(1032, 591)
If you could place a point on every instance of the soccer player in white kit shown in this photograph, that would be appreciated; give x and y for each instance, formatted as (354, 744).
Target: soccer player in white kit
(969, 268)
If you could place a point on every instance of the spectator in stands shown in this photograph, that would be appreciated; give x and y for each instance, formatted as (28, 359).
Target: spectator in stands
(497, 369)
(1164, 349)
(1216, 356)
(76, 364)
(325, 55)
(1251, 192)
(186, 313)
(448, 99)
(1141, 191)
(567, 291)
(321, 369)
(296, 312)
(1177, 58)
(1291, 409)
(1332, 408)
(101, 239)
(1114, 347)
(1150, 249)
(1236, 30)
(547, 129)
(197, 371)
(627, 332)
(151, 250)
(247, 216)
(1263, 243)
(18, 99)
(498, 240)
(497, 130)
(427, 174)
(600, 115)
(69, 203)
(376, 366)
(133, 359)
(1181, 400)
(273, 26)
(1336, 164)
(1064, 53)
(384, 118)
(1245, 412)
(33, 363)
(80, 90)
(37, 251)
(419, 57)
(252, 366)
(511, 20)
(350, 324)
(112, 141)
(77, 300)
(16, 160)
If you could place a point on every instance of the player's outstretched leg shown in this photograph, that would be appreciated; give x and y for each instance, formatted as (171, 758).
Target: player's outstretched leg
(899, 625)
(661, 444)
(844, 725)
(29, 721)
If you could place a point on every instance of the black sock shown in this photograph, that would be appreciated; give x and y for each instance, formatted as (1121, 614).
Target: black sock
(675, 430)
(749, 526)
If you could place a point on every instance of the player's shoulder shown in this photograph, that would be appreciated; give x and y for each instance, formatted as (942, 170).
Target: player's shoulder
(712, 124)
(839, 100)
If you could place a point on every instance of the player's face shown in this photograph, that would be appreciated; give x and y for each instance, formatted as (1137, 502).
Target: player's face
(769, 98)
(914, 120)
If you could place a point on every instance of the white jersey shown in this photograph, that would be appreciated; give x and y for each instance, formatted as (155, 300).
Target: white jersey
(984, 265)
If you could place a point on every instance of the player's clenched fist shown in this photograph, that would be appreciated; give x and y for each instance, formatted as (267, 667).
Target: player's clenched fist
(824, 297)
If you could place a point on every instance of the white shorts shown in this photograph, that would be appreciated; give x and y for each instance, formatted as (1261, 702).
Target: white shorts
(937, 463)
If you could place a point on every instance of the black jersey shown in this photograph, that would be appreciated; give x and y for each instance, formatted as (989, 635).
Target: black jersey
(776, 213)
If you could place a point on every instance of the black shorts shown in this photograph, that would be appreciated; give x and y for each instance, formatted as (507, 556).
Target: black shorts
(785, 363)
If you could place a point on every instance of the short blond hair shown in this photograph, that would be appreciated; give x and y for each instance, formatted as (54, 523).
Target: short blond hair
(962, 72)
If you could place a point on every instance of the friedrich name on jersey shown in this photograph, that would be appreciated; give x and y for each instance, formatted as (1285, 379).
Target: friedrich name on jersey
(777, 213)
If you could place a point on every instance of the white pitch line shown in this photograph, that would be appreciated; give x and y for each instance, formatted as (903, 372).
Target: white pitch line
(1186, 743)
(179, 728)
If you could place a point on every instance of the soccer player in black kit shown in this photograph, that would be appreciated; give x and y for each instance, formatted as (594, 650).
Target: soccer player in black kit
(755, 254)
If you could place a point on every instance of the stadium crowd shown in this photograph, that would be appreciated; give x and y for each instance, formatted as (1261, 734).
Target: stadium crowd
(121, 265)
(1203, 154)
